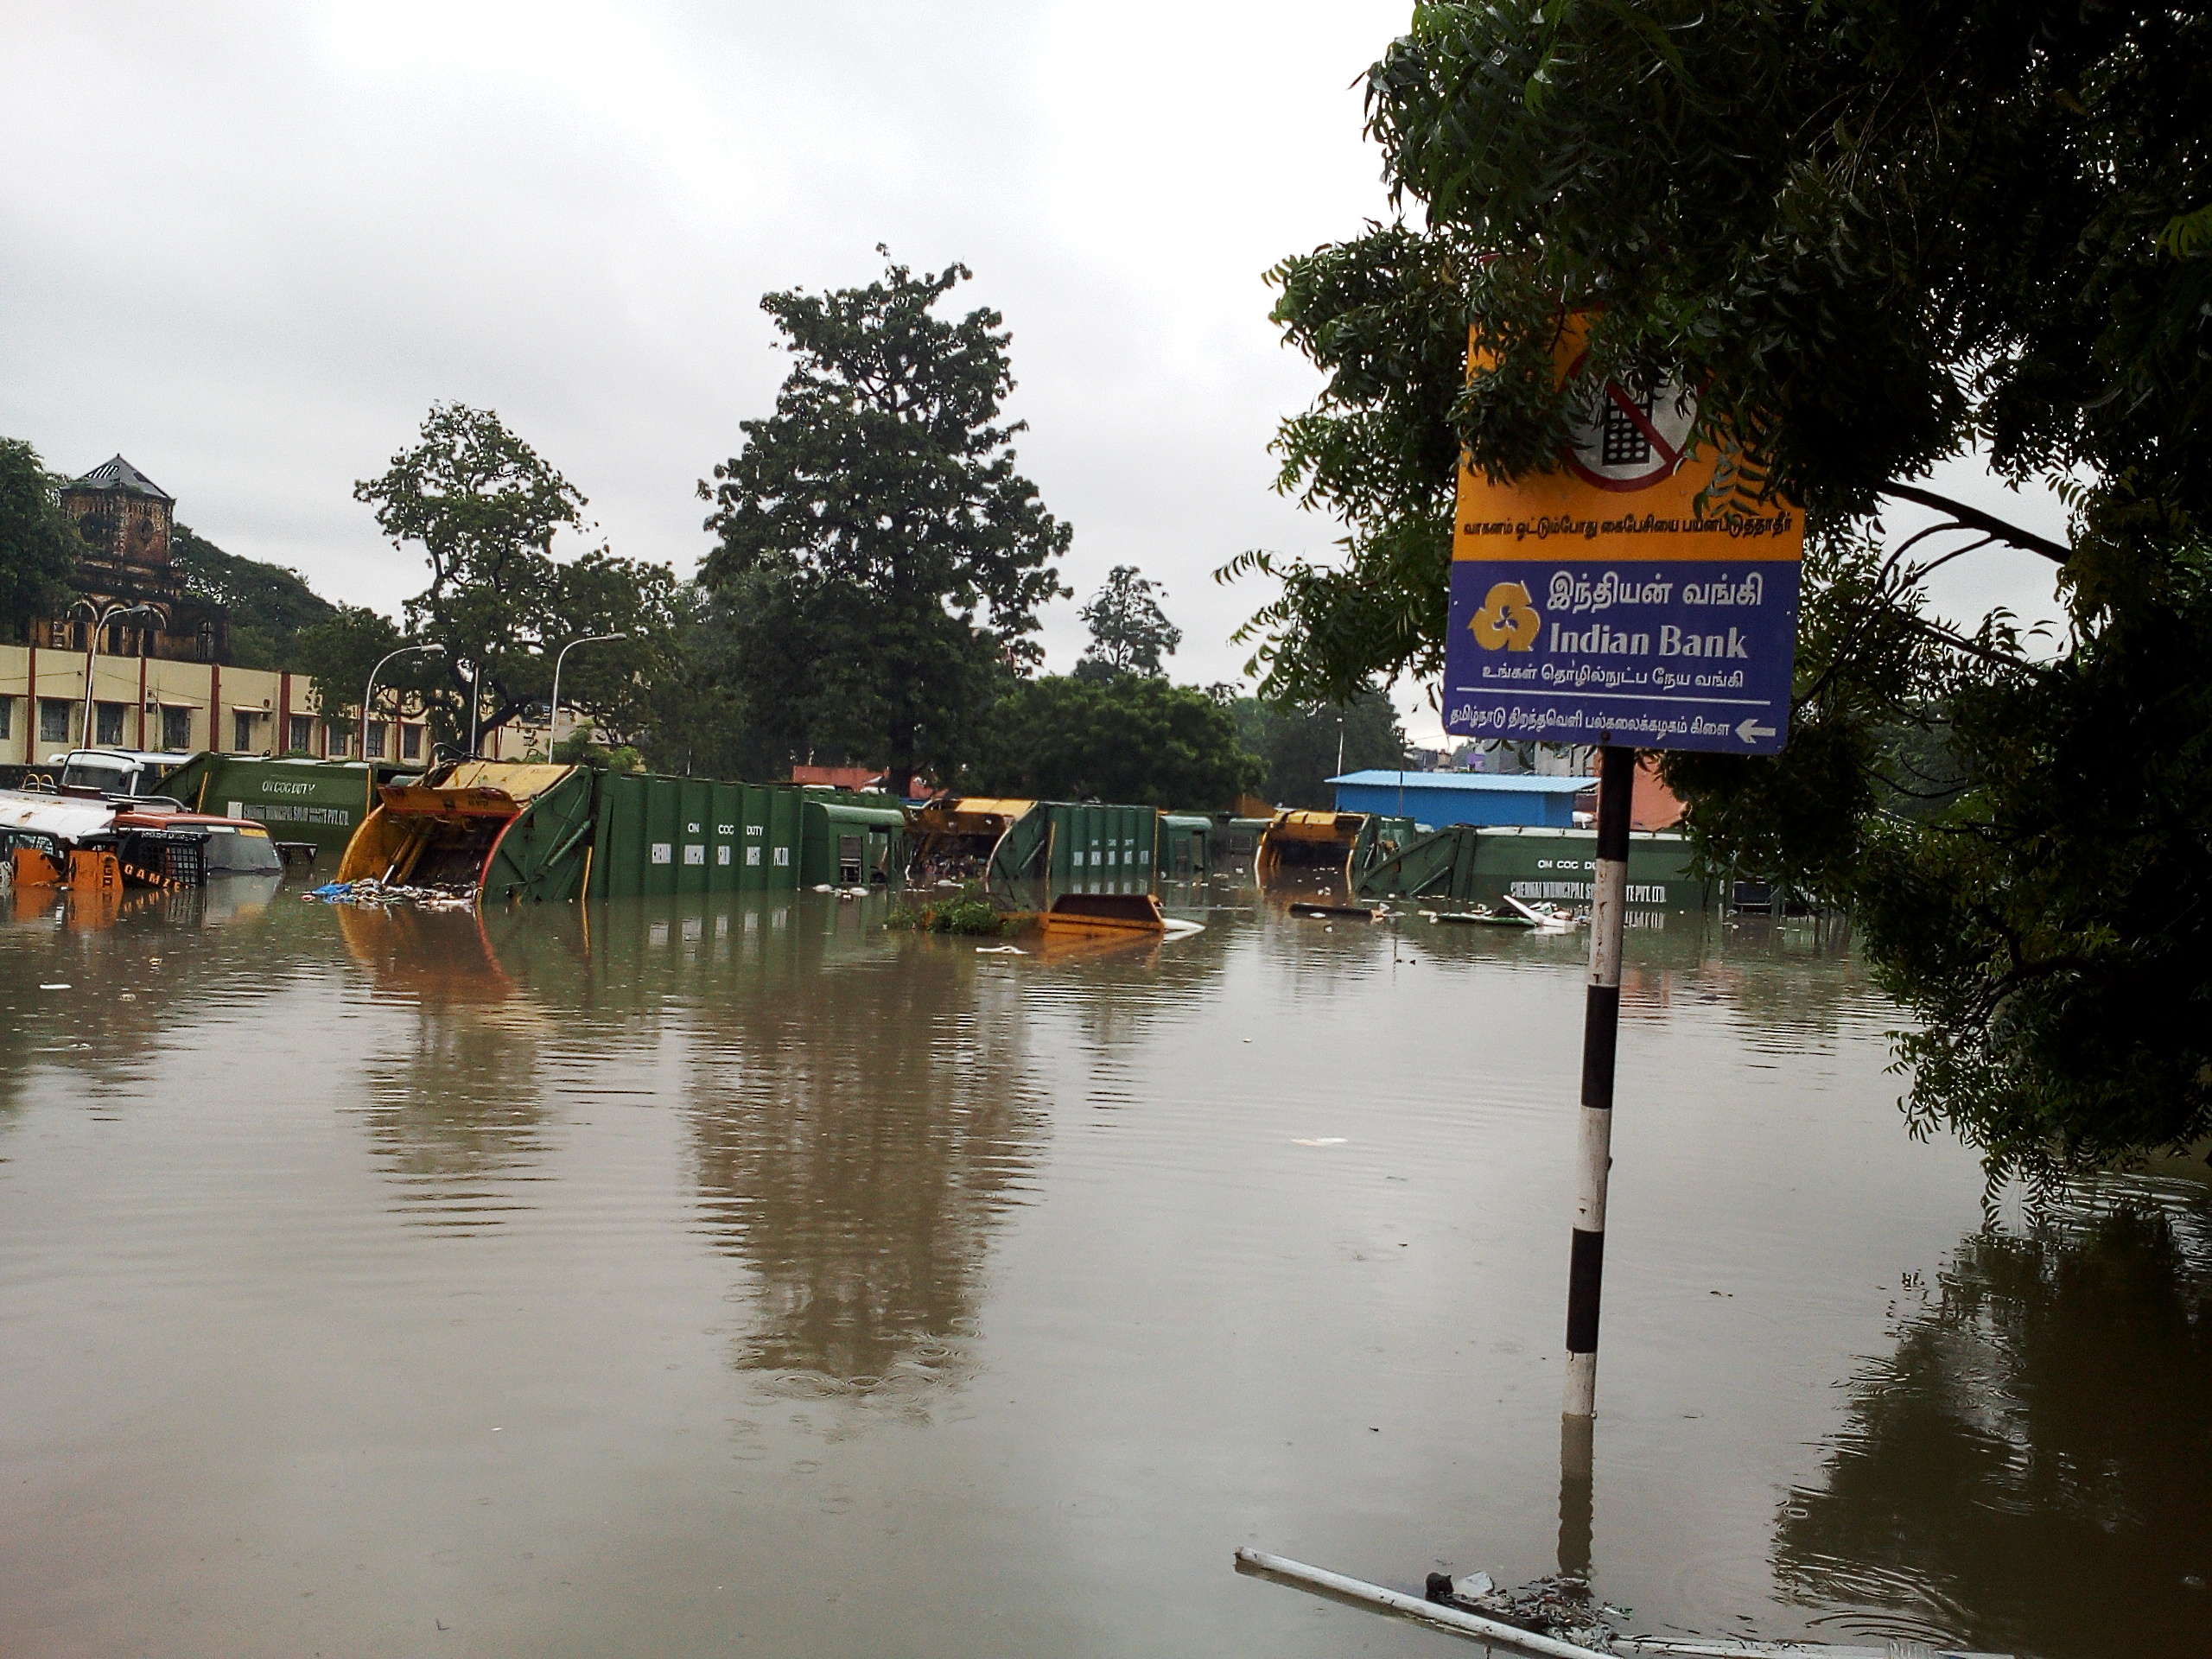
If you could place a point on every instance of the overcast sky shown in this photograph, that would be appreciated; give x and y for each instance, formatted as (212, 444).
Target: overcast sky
(247, 247)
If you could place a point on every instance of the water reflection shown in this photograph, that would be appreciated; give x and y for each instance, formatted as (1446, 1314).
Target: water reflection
(96, 983)
(2028, 1470)
(457, 1114)
(859, 1128)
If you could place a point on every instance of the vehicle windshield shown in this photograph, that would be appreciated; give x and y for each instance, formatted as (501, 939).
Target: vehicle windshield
(108, 777)
(231, 851)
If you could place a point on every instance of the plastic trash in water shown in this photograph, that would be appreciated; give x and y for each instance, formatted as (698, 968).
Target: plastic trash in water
(369, 890)
(1560, 1607)
(1000, 950)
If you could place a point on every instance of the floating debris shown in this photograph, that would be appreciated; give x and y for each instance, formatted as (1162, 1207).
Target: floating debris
(390, 895)
(1560, 1607)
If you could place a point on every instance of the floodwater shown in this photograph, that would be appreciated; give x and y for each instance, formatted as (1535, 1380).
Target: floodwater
(733, 1277)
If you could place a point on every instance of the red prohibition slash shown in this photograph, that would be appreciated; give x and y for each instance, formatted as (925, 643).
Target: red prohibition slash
(1672, 457)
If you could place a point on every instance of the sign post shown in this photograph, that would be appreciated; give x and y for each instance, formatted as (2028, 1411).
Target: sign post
(1627, 600)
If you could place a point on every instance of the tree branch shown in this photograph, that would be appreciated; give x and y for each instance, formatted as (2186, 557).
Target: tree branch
(1958, 642)
(2027, 540)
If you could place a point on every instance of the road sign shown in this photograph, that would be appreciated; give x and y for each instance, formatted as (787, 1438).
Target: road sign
(1605, 603)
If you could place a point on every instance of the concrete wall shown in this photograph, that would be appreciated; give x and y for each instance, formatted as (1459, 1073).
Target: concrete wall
(157, 701)
(204, 702)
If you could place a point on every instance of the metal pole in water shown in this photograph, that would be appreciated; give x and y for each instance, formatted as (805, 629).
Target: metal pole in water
(1600, 1030)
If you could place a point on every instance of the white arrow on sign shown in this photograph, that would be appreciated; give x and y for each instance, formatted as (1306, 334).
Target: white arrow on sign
(1751, 729)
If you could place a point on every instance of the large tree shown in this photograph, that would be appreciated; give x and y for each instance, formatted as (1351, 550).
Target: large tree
(1301, 748)
(338, 656)
(879, 562)
(485, 508)
(1136, 739)
(1873, 237)
(269, 606)
(1129, 633)
(39, 547)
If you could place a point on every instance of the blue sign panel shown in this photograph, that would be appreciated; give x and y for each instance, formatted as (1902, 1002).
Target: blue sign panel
(1667, 653)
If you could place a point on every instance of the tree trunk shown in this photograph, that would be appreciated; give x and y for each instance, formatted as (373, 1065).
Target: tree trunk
(899, 772)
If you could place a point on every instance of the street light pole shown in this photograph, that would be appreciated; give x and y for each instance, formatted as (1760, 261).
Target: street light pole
(93, 650)
(368, 785)
(553, 719)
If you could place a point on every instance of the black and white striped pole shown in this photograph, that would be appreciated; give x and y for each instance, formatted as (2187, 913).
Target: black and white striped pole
(1601, 1021)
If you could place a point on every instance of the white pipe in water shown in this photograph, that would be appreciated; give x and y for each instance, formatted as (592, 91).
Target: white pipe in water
(1514, 1640)
(1491, 1631)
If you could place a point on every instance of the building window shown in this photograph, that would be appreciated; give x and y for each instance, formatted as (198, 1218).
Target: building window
(301, 736)
(242, 729)
(411, 742)
(107, 722)
(176, 729)
(373, 733)
(54, 719)
(115, 638)
(7, 717)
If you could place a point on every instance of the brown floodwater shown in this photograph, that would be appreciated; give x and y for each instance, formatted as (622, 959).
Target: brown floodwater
(735, 1277)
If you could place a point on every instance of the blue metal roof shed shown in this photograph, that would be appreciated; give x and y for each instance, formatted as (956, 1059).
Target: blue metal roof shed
(1436, 798)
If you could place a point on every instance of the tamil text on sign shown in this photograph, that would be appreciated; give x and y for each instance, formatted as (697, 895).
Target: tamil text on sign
(1623, 598)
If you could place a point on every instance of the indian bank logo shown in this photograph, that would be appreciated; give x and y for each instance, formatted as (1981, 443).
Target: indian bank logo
(1507, 619)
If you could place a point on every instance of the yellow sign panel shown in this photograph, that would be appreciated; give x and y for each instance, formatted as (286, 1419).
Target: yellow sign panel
(1627, 487)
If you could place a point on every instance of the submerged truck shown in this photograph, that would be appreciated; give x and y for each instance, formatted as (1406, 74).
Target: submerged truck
(656, 834)
(1468, 864)
(316, 803)
(850, 840)
(1066, 845)
(1305, 849)
(502, 828)
(83, 839)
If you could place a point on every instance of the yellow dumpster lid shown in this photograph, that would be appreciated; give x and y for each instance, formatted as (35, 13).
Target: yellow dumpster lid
(970, 806)
(520, 780)
(1317, 826)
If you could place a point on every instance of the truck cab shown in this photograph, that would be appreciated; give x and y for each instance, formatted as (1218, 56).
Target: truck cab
(112, 771)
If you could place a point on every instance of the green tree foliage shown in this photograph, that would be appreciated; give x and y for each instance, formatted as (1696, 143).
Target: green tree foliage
(485, 508)
(1873, 237)
(1299, 747)
(697, 723)
(1385, 317)
(879, 563)
(337, 656)
(1129, 633)
(1134, 738)
(269, 606)
(39, 547)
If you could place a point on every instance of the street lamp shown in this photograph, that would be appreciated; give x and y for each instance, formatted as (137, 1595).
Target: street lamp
(369, 786)
(93, 650)
(553, 719)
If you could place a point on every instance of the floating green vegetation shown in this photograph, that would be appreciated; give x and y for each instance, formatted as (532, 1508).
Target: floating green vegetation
(970, 912)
